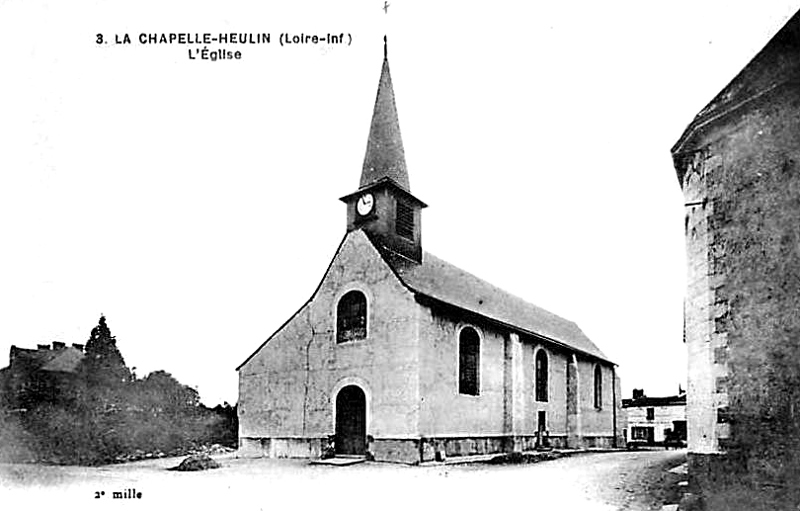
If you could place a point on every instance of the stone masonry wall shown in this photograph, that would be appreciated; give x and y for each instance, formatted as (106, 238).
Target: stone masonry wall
(701, 401)
(743, 317)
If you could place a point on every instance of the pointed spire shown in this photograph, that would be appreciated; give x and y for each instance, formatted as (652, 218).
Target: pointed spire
(385, 158)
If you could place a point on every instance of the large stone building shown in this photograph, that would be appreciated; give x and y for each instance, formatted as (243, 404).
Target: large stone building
(401, 356)
(738, 163)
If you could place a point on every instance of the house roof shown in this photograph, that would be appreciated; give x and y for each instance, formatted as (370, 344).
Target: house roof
(54, 360)
(448, 284)
(66, 360)
(655, 401)
(385, 157)
(777, 63)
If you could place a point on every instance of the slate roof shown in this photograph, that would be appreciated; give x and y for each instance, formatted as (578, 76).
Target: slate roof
(385, 157)
(55, 360)
(448, 284)
(655, 401)
(776, 63)
(66, 360)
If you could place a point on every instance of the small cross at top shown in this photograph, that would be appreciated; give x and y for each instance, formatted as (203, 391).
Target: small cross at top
(386, 7)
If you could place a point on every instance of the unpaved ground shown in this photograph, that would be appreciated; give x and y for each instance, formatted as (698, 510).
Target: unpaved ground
(601, 481)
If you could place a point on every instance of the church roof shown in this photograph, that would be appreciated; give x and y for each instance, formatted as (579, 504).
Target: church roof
(777, 63)
(434, 279)
(445, 283)
(385, 157)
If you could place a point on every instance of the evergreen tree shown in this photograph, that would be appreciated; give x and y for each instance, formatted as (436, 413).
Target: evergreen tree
(103, 365)
(100, 396)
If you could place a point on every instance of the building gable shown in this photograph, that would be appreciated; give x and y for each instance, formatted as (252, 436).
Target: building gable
(355, 265)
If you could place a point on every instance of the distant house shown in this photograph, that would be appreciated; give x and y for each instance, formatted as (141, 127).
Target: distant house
(738, 163)
(655, 420)
(402, 356)
(38, 375)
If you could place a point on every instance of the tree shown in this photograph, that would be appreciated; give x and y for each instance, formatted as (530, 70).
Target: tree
(103, 365)
(165, 415)
(98, 405)
(161, 392)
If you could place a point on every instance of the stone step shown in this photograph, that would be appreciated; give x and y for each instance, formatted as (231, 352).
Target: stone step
(340, 461)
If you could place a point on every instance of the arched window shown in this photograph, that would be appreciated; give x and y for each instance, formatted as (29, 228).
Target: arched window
(469, 361)
(351, 317)
(598, 387)
(541, 376)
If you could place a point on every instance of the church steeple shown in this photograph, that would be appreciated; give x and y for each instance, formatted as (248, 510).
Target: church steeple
(383, 205)
(385, 158)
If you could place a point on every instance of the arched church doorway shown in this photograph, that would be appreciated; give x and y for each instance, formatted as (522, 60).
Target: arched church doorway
(351, 421)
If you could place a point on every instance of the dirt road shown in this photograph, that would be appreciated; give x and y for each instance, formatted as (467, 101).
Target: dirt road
(598, 481)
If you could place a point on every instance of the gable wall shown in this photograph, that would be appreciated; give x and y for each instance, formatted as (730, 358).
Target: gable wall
(302, 363)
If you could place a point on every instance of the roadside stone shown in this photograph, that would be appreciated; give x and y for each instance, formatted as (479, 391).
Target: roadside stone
(195, 463)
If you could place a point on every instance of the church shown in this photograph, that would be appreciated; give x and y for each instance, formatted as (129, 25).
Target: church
(400, 356)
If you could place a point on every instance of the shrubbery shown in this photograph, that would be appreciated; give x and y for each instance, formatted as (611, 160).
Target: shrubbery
(106, 414)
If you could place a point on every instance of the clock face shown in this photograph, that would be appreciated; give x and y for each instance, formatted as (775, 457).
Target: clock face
(365, 203)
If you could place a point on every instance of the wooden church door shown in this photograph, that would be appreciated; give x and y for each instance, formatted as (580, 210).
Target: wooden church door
(351, 421)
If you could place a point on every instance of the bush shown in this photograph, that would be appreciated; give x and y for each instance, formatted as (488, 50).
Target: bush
(197, 462)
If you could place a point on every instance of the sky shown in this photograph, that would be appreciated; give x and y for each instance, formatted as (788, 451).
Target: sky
(195, 204)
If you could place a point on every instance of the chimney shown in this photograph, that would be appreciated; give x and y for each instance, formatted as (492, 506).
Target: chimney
(77, 346)
(58, 345)
(638, 393)
(12, 355)
(43, 347)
